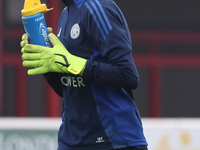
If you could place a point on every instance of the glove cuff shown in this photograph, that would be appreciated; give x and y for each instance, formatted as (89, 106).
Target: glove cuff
(78, 67)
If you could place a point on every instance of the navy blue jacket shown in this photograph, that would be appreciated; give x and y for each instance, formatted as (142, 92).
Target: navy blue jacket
(99, 112)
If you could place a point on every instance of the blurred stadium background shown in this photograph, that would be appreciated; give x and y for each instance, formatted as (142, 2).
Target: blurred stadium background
(166, 50)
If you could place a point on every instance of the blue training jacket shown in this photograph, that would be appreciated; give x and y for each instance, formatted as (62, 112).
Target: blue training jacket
(99, 112)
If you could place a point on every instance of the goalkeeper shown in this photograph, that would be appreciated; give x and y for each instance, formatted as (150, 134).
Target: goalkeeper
(91, 67)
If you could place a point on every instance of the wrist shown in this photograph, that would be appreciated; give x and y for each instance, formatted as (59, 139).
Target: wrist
(82, 71)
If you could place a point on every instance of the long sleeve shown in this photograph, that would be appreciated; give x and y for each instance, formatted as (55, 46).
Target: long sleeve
(53, 80)
(112, 61)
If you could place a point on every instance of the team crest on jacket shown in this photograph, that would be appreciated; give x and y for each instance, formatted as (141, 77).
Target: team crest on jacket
(75, 31)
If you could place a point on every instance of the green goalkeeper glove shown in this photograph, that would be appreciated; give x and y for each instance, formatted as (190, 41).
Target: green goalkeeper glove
(24, 40)
(56, 59)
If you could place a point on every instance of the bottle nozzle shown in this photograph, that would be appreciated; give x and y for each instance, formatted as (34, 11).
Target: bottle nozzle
(32, 7)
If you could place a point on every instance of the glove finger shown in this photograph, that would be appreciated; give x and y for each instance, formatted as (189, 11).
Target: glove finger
(33, 48)
(35, 64)
(22, 44)
(24, 37)
(31, 56)
(50, 30)
(36, 71)
(54, 40)
(24, 40)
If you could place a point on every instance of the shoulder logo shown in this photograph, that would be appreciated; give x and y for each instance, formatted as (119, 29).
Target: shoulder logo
(75, 31)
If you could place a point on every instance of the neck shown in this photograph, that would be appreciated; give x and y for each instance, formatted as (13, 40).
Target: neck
(69, 2)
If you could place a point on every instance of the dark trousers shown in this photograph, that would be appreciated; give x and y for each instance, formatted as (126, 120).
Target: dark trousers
(134, 148)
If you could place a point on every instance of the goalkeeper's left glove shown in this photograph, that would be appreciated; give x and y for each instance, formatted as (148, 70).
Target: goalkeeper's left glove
(56, 59)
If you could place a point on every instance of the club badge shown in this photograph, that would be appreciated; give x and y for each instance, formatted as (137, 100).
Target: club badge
(75, 31)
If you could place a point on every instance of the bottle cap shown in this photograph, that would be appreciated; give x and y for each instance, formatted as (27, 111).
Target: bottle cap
(32, 7)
